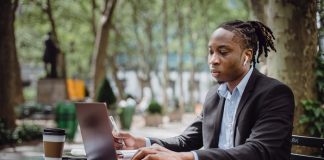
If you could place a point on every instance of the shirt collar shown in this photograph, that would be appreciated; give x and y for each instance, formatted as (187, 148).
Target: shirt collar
(223, 90)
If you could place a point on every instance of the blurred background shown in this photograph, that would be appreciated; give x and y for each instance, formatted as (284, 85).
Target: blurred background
(147, 59)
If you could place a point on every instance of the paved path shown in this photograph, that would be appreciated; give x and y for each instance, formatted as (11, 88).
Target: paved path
(138, 128)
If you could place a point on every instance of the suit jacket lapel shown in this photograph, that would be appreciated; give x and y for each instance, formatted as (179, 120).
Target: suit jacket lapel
(218, 122)
(215, 118)
(246, 94)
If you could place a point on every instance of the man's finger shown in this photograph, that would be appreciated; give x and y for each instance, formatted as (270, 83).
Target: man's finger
(121, 134)
(151, 157)
(143, 153)
(116, 140)
(159, 148)
(118, 146)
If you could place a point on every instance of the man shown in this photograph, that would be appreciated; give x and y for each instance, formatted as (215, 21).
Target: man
(249, 116)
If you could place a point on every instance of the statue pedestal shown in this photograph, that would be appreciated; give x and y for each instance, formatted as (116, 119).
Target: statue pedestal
(51, 91)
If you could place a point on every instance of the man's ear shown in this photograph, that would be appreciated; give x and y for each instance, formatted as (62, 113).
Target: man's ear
(248, 55)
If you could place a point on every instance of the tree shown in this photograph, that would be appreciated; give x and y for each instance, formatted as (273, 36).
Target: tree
(113, 63)
(93, 17)
(192, 35)
(106, 94)
(98, 65)
(258, 10)
(140, 49)
(165, 56)
(180, 34)
(72, 18)
(150, 55)
(11, 84)
(144, 69)
(294, 26)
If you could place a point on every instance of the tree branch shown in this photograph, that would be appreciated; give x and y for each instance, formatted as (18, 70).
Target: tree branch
(93, 18)
(51, 19)
(15, 5)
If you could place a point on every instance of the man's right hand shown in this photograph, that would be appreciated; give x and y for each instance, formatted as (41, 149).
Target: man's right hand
(126, 141)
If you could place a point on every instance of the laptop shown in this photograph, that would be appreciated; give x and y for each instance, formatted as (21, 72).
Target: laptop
(96, 131)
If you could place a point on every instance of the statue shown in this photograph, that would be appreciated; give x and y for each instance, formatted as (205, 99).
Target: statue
(50, 56)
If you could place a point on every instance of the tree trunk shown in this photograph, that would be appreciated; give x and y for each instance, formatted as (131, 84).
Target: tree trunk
(114, 70)
(141, 83)
(19, 97)
(296, 44)
(294, 26)
(165, 57)
(150, 85)
(257, 10)
(93, 17)
(204, 4)
(114, 67)
(11, 85)
(180, 54)
(192, 85)
(150, 56)
(98, 65)
(144, 69)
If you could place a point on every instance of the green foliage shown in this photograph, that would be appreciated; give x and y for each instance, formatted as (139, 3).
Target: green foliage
(5, 134)
(72, 19)
(313, 117)
(20, 134)
(205, 16)
(29, 93)
(75, 33)
(25, 133)
(319, 72)
(154, 108)
(106, 94)
(28, 109)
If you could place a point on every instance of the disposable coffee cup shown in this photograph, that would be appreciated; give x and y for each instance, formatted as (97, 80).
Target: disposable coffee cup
(53, 141)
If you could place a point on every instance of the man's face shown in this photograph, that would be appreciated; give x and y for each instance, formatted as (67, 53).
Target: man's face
(225, 57)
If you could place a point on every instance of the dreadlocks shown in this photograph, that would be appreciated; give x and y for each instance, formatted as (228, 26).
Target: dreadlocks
(254, 34)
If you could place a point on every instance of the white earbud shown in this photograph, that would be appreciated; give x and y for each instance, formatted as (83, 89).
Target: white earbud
(245, 60)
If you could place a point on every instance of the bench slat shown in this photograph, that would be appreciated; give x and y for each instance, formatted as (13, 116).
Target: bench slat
(304, 157)
(307, 141)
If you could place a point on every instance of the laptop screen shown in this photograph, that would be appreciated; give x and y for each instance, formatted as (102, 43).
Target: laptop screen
(96, 130)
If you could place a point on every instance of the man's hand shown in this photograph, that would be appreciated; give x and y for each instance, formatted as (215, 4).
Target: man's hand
(157, 152)
(124, 140)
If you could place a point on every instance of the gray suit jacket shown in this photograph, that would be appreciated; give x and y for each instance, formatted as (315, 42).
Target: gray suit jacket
(263, 124)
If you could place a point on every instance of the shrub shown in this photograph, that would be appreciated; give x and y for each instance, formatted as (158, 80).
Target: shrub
(5, 134)
(313, 118)
(26, 132)
(154, 108)
(20, 134)
(106, 94)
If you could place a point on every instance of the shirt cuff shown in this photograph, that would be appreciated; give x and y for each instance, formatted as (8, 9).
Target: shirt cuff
(195, 155)
(148, 143)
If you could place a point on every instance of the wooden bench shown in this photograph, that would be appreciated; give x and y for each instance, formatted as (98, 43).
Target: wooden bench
(308, 142)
